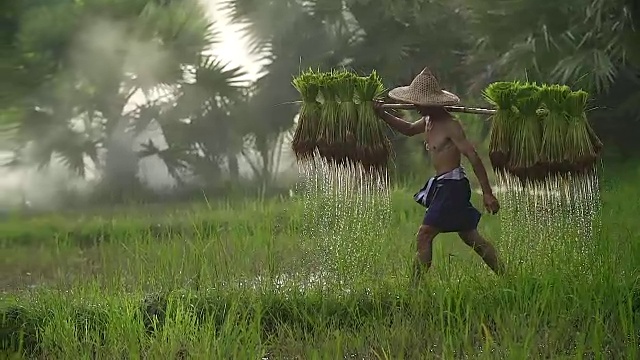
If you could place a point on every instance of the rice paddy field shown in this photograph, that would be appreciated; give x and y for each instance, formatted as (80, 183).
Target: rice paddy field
(248, 281)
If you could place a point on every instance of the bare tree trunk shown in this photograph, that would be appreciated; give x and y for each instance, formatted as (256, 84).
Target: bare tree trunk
(120, 171)
(262, 146)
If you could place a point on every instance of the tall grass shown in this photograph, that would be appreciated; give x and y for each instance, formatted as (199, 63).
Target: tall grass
(210, 283)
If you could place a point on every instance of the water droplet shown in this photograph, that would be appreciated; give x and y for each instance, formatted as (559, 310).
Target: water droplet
(551, 223)
(346, 215)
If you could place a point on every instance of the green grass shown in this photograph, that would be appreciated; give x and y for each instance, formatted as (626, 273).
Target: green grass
(170, 285)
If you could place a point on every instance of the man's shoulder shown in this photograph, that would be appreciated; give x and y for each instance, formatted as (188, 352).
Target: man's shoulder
(453, 122)
(453, 128)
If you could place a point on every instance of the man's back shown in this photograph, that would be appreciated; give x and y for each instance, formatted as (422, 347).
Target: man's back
(444, 155)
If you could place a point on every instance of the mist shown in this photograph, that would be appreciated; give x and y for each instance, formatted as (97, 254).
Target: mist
(133, 77)
(101, 48)
(152, 206)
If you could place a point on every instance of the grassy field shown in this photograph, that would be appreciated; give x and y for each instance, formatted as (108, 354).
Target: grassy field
(207, 283)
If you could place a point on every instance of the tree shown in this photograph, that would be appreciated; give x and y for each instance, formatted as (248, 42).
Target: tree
(200, 128)
(82, 64)
(287, 36)
(397, 39)
(589, 44)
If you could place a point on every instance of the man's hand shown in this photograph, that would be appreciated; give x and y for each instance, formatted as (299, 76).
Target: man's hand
(491, 203)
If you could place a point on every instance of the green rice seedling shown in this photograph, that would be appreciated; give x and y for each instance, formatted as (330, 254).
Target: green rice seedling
(580, 151)
(373, 146)
(527, 134)
(554, 128)
(555, 309)
(501, 96)
(305, 137)
(347, 116)
(346, 131)
(329, 115)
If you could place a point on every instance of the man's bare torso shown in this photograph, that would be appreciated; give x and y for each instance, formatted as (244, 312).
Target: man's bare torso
(444, 155)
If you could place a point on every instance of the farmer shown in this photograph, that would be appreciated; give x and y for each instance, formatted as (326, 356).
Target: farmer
(447, 194)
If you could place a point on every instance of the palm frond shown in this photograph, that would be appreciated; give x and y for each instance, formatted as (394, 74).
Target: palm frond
(175, 157)
(576, 43)
(218, 77)
(264, 20)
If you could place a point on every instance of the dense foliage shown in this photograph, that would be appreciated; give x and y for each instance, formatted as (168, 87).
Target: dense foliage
(83, 80)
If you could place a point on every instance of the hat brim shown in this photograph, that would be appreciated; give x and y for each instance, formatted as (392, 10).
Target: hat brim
(408, 95)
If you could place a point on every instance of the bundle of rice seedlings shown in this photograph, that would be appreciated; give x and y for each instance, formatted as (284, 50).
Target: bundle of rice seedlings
(373, 148)
(580, 151)
(347, 117)
(502, 96)
(527, 135)
(554, 128)
(304, 140)
(328, 126)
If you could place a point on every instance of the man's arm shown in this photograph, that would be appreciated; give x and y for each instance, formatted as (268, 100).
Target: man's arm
(457, 135)
(402, 126)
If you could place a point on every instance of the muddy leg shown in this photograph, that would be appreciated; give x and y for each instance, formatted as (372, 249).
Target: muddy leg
(483, 248)
(424, 253)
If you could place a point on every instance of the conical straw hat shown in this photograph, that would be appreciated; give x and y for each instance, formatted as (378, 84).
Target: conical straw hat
(424, 90)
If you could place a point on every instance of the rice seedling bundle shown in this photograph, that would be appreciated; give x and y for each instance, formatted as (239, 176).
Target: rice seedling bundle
(372, 146)
(338, 119)
(347, 116)
(501, 96)
(580, 151)
(540, 131)
(536, 131)
(328, 130)
(304, 140)
(554, 128)
(526, 134)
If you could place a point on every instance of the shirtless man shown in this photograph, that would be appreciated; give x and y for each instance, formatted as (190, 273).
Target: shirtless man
(446, 195)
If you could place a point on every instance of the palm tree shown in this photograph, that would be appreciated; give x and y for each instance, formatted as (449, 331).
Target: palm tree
(286, 36)
(578, 42)
(395, 38)
(91, 60)
(199, 125)
(589, 44)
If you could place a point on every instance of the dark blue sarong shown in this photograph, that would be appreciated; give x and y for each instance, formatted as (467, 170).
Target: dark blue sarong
(448, 203)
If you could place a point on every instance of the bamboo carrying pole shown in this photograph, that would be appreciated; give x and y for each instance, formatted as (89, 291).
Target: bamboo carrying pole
(461, 109)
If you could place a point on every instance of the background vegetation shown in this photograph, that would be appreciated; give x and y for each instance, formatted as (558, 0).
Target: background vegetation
(128, 96)
(170, 225)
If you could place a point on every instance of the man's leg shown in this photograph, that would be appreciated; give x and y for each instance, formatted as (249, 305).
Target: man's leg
(424, 247)
(484, 248)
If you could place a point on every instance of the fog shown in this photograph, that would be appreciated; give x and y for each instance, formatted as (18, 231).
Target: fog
(49, 186)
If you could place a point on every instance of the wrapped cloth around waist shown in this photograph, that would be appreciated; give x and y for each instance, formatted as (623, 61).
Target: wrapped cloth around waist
(425, 194)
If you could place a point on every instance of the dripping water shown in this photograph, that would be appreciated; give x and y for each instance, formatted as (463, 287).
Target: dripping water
(549, 224)
(346, 216)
